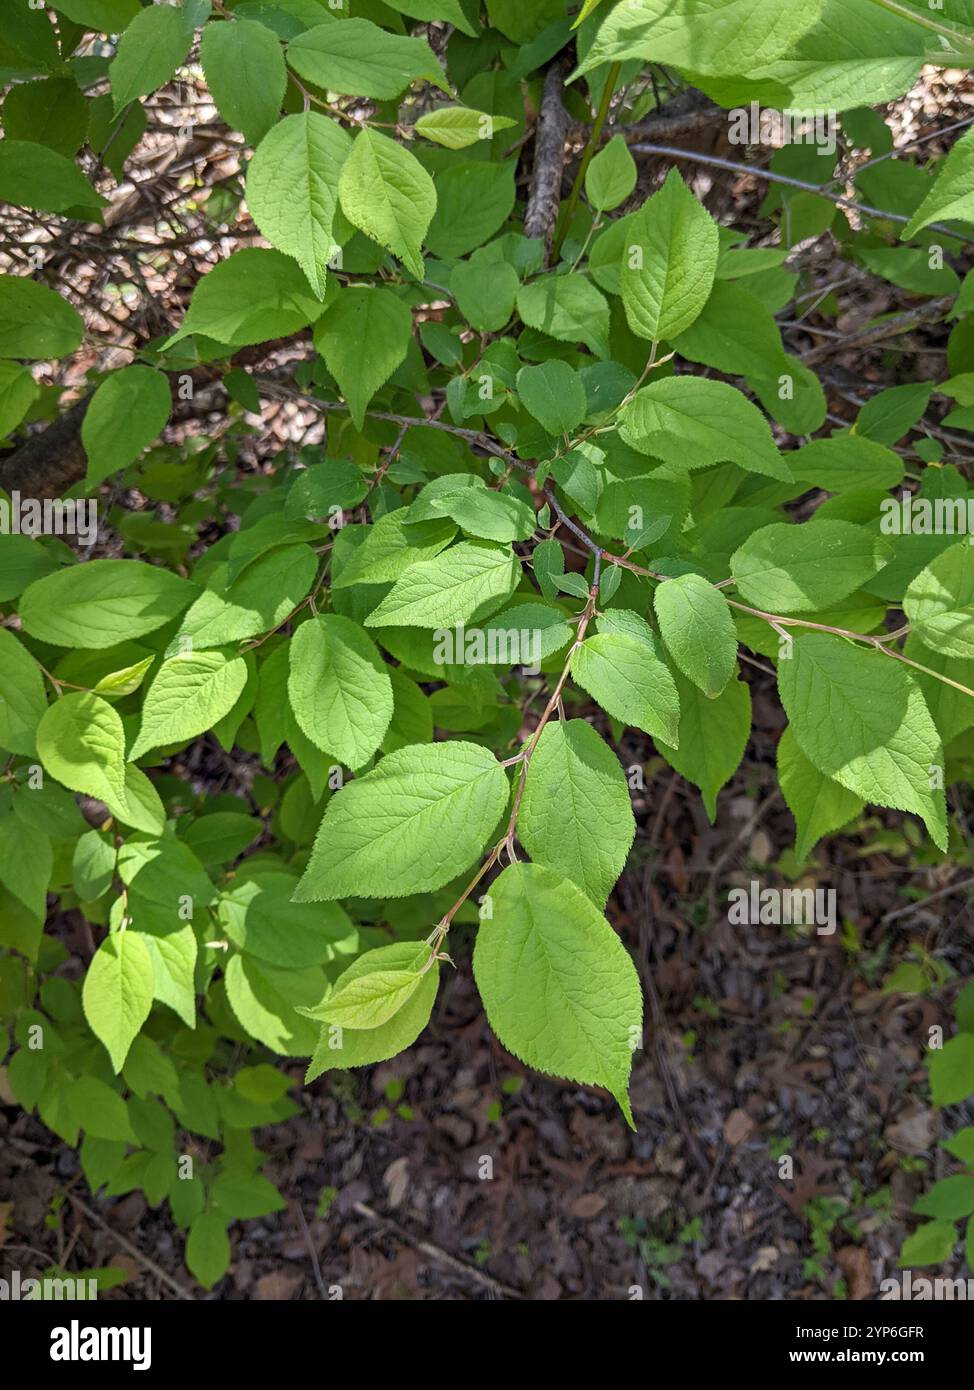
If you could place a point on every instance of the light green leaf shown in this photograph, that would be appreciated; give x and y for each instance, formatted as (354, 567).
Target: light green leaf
(208, 1248)
(81, 742)
(392, 545)
(140, 397)
(149, 52)
(940, 603)
(190, 693)
(625, 676)
(470, 579)
(803, 569)
(569, 308)
(258, 916)
(576, 813)
(952, 195)
(387, 194)
(251, 297)
(558, 986)
(860, 718)
(611, 176)
(713, 737)
(930, 1244)
(260, 600)
(697, 627)
(456, 127)
(117, 992)
(693, 422)
(264, 999)
(102, 602)
(339, 689)
(244, 70)
(356, 58)
(22, 698)
(819, 805)
(34, 321)
(669, 265)
(737, 334)
(358, 1047)
(554, 394)
(363, 337)
(411, 825)
(292, 188)
(379, 985)
(846, 461)
(485, 290)
(952, 1070)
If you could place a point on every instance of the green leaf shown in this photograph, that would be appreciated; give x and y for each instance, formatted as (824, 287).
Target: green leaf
(950, 1199)
(260, 600)
(149, 52)
(106, 16)
(100, 1111)
(264, 999)
(357, 58)
(952, 195)
(669, 265)
(626, 677)
(576, 813)
(244, 70)
(697, 627)
(22, 698)
(35, 322)
(940, 603)
(387, 194)
(692, 422)
(554, 394)
(382, 983)
(803, 569)
(411, 825)
(292, 187)
(339, 688)
(473, 201)
(392, 545)
(568, 308)
(251, 297)
(102, 602)
(713, 737)
(26, 863)
(931, 1244)
(33, 176)
(140, 397)
(952, 1070)
(52, 111)
(819, 805)
(611, 176)
(485, 290)
(449, 10)
(190, 693)
(117, 993)
(456, 127)
(709, 37)
(558, 986)
(493, 516)
(93, 865)
(258, 916)
(81, 742)
(363, 337)
(358, 1047)
(737, 334)
(18, 392)
(846, 461)
(470, 579)
(208, 1248)
(860, 718)
(892, 414)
